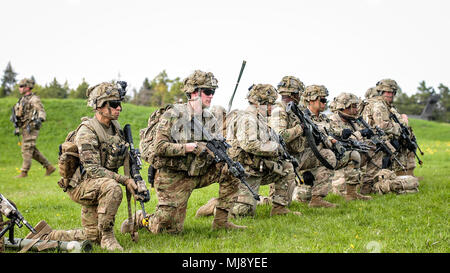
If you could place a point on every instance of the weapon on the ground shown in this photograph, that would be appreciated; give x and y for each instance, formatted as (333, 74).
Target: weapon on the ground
(407, 139)
(135, 167)
(60, 246)
(11, 212)
(237, 83)
(218, 146)
(376, 138)
(313, 134)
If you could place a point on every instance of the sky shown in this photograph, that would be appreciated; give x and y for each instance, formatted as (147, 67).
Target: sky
(345, 45)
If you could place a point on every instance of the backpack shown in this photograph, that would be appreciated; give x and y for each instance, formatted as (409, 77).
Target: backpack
(68, 159)
(69, 165)
(148, 135)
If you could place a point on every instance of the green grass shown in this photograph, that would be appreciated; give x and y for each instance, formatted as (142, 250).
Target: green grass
(414, 223)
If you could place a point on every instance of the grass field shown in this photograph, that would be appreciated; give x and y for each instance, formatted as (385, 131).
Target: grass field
(414, 223)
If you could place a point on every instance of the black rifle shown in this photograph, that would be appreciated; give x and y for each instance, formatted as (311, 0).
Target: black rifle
(376, 139)
(407, 139)
(218, 146)
(314, 136)
(354, 145)
(135, 167)
(15, 121)
(16, 218)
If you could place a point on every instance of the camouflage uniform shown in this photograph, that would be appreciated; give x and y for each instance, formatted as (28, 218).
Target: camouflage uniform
(253, 146)
(30, 114)
(287, 125)
(376, 113)
(102, 150)
(354, 171)
(179, 173)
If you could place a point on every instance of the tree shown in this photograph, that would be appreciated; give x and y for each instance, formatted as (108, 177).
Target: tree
(54, 90)
(80, 91)
(8, 81)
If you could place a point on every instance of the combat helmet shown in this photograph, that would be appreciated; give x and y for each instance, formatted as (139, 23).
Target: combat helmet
(312, 92)
(290, 85)
(262, 94)
(106, 91)
(27, 82)
(371, 93)
(343, 101)
(199, 79)
(388, 85)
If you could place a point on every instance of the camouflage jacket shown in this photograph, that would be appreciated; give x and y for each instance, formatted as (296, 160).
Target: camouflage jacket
(376, 113)
(337, 125)
(324, 125)
(174, 131)
(252, 145)
(288, 126)
(27, 108)
(102, 150)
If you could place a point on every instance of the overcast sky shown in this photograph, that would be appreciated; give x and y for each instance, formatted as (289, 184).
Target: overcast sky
(345, 45)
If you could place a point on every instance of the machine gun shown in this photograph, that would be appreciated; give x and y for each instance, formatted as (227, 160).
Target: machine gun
(354, 145)
(376, 138)
(407, 139)
(135, 167)
(218, 146)
(11, 212)
(314, 136)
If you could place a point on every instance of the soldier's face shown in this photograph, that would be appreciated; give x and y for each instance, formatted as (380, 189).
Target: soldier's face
(23, 89)
(388, 96)
(111, 110)
(352, 110)
(206, 96)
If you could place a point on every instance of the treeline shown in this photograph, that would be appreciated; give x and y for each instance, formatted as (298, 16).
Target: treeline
(415, 104)
(162, 90)
(156, 92)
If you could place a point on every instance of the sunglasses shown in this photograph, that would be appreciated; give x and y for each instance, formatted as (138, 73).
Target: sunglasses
(115, 103)
(22, 86)
(323, 100)
(208, 92)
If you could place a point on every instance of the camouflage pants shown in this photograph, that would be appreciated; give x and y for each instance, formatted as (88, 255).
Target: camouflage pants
(2, 246)
(173, 189)
(350, 164)
(100, 199)
(30, 151)
(280, 192)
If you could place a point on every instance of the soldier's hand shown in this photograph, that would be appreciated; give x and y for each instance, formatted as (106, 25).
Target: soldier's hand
(131, 186)
(16, 131)
(190, 147)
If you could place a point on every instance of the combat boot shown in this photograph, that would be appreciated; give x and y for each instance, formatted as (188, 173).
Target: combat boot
(352, 194)
(126, 227)
(317, 201)
(221, 220)
(109, 241)
(49, 170)
(207, 209)
(22, 174)
(282, 210)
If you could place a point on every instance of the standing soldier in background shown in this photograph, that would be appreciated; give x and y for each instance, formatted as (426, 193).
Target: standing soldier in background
(184, 163)
(102, 150)
(29, 114)
(378, 113)
(343, 125)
